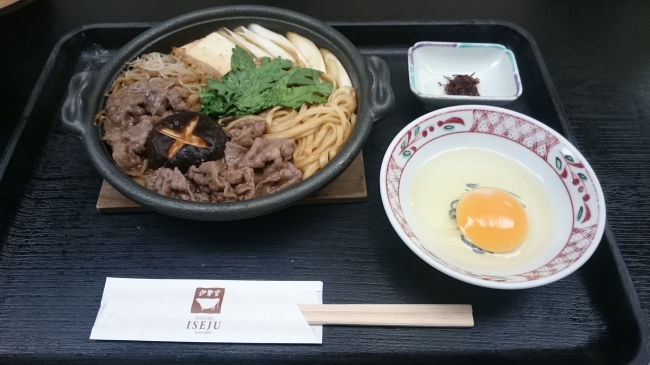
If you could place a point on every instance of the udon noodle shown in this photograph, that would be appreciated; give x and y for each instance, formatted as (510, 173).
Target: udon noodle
(320, 130)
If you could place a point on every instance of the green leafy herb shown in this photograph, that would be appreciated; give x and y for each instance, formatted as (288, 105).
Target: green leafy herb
(247, 89)
(241, 60)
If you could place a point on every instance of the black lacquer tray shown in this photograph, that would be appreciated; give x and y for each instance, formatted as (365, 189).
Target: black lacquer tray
(56, 249)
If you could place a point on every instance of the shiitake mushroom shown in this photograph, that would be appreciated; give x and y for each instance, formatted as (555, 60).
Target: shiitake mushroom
(185, 139)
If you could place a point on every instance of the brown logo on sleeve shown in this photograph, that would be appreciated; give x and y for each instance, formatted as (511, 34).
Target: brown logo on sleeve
(208, 300)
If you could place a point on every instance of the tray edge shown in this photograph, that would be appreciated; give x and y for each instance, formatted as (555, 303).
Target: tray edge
(643, 355)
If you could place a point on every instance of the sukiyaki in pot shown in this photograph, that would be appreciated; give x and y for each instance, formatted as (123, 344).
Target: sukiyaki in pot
(228, 113)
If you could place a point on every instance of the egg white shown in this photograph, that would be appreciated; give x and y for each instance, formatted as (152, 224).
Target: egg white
(445, 177)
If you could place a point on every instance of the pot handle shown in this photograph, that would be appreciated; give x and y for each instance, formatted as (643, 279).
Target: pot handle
(73, 106)
(382, 98)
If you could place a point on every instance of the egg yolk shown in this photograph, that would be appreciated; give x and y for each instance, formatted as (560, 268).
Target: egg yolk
(492, 219)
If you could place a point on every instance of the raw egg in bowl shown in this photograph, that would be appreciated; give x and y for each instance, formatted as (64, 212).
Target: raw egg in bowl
(492, 197)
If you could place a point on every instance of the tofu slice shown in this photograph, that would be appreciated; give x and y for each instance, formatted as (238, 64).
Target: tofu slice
(212, 52)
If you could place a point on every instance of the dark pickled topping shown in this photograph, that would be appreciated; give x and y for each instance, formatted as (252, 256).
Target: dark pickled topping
(461, 85)
(185, 139)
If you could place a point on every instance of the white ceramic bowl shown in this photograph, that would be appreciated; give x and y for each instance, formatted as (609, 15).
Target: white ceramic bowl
(493, 64)
(569, 180)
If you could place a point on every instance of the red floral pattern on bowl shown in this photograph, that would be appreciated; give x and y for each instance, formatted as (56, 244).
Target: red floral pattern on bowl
(582, 186)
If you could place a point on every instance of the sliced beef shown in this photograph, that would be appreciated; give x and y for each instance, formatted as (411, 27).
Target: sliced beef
(233, 154)
(171, 183)
(246, 131)
(176, 100)
(206, 176)
(264, 151)
(271, 160)
(288, 174)
(131, 113)
(220, 184)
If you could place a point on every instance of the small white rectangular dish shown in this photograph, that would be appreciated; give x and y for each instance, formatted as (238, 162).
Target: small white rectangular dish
(493, 64)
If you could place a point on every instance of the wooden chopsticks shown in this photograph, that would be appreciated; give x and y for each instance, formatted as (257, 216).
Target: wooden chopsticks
(409, 315)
